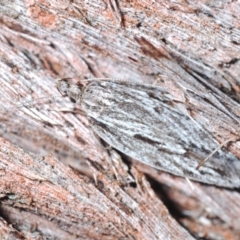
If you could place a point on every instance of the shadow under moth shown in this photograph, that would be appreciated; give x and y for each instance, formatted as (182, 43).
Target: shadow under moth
(141, 121)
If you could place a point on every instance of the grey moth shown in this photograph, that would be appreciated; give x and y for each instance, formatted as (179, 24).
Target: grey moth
(142, 122)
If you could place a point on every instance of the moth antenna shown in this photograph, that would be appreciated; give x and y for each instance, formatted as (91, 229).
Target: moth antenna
(33, 103)
(93, 79)
(102, 79)
(74, 110)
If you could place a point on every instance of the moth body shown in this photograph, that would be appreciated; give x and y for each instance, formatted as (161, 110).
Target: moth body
(142, 122)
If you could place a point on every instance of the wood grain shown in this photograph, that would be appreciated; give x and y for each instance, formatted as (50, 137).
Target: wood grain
(57, 179)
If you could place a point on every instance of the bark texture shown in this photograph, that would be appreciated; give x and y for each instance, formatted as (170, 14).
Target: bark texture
(57, 181)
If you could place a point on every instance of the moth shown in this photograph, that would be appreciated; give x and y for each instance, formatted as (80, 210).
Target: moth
(143, 122)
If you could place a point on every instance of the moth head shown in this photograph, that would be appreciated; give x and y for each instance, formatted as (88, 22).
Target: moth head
(67, 88)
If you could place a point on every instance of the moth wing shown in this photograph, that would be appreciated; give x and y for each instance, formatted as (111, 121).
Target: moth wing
(141, 121)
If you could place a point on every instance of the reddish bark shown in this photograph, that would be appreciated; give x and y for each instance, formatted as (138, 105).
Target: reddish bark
(189, 48)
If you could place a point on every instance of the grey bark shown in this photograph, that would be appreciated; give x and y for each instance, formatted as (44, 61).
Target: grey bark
(57, 180)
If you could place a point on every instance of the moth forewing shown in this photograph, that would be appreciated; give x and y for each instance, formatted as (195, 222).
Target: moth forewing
(141, 121)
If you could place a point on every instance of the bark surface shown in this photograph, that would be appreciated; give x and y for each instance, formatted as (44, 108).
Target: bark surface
(57, 180)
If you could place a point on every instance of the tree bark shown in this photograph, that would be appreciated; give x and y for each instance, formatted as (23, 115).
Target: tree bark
(57, 180)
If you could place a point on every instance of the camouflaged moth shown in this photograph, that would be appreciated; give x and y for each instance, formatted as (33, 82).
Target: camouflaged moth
(142, 122)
